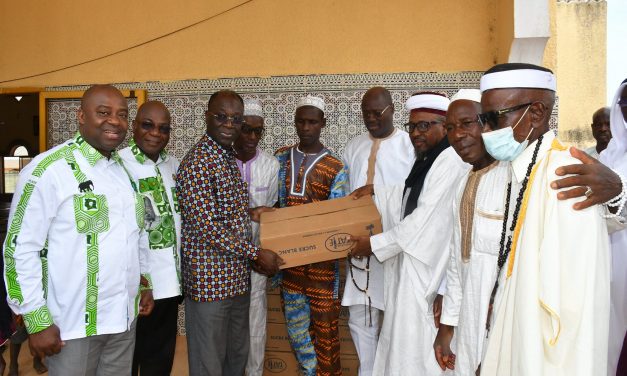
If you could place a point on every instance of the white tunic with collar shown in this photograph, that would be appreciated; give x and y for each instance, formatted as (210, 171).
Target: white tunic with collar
(394, 160)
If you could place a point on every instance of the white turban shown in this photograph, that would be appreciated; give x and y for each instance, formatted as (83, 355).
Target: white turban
(467, 94)
(428, 102)
(518, 78)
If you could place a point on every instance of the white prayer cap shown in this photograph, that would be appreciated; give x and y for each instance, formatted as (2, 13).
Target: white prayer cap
(467, 94)
(428, 102)
(253, 107)
(310, 100)
(518, 75)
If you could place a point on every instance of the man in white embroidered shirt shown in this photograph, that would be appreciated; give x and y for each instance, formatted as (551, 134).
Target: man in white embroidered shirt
(153, 170)
(383, 155)
(551, 308)
(260, 171)
(72, 258)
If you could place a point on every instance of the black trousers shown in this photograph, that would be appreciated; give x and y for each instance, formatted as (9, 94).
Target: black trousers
(156, 339)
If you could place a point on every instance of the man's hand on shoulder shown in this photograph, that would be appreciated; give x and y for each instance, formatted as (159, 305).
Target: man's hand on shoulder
(599, 181)
(268, 262)
(46, 342)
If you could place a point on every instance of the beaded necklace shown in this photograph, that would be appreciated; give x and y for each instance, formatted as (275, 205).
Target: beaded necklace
(505, 248)
(365, 289)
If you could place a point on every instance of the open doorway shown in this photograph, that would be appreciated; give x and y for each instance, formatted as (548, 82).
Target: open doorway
(19, 143)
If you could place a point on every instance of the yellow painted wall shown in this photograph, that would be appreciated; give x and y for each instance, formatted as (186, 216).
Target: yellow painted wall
(579, 55)
(260, 38)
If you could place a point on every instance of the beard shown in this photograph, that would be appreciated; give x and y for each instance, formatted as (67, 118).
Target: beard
(420, 155)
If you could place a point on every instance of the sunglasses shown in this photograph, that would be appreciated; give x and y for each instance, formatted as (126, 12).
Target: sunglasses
(247, 129)
(377, 114)
(492, 117)
(149, 127)
(222, 119)
(622, 102)
(422, 126)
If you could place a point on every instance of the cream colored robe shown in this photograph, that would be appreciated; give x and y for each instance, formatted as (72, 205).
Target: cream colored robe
(551, 313)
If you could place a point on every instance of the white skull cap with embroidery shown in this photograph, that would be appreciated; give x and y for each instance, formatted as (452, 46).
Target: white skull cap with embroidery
(253, 107)
(467, 94)
(311, 101)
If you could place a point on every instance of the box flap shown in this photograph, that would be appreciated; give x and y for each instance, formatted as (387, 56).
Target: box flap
(320, 207)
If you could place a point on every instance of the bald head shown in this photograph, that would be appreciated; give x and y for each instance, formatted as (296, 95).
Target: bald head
(601, 130)
(103, 118)
(378, 110)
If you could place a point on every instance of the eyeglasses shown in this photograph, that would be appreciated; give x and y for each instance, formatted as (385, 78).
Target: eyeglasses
(622, 102)
(222, 119)
(377, 114)
(422, 126)
(247, 129)
(465, 125)
(149, 127)
(492, 117)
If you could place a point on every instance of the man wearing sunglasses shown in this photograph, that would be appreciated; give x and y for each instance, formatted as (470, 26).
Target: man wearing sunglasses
(551, 307)
(415, 248)
(260, 171)
(216, 244)
(383, 155)
(154, 171)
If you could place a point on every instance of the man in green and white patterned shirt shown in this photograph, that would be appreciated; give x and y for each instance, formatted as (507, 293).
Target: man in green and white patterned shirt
(72, 255)
(154, 170)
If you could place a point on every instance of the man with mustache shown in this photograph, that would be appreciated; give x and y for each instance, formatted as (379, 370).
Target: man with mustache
(72, 254)
(216, 244)
(478, 216)
(154, 170)
(415, 249)
(551, 307)
(383, 155)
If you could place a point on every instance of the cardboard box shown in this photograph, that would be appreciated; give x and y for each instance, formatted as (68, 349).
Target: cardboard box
(280, 363)
(276, 338)
(318, 231)
(350, 365)
(274, 313)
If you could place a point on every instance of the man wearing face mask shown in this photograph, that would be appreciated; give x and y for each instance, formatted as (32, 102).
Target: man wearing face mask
(551, 307)
(615, 156)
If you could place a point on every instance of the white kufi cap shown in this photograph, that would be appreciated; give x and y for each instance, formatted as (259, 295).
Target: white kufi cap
(311, 101)
(253, 107)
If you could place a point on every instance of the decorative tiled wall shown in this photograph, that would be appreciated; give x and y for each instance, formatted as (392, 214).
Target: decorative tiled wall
(187, 101)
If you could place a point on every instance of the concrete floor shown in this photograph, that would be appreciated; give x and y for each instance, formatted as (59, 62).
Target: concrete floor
(26, 361)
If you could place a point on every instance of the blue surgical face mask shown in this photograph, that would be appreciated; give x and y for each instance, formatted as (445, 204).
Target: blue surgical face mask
(502, 145)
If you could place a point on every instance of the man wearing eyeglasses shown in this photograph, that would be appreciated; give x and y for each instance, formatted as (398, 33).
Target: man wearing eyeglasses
(216, 244)
(154, 171)
(415, 248)
(383, 155)
(551, 305)
(260, 171)
(600, 131)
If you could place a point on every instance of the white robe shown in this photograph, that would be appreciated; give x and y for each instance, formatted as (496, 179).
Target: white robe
(414, 253)
(615, 156)
(551, 314)
(394, 161)
(262, 175)
(470, 283)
